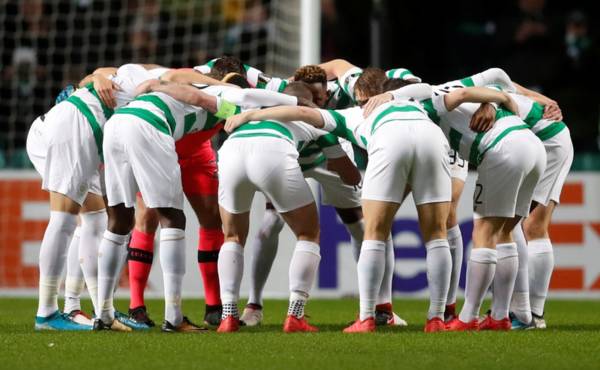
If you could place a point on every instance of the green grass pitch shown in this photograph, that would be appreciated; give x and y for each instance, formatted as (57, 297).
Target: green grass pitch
(572, 341)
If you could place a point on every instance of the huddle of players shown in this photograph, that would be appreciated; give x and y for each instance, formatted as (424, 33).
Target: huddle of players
(157, 142)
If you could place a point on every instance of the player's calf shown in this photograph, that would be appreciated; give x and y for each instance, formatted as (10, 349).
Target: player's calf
(231, 267)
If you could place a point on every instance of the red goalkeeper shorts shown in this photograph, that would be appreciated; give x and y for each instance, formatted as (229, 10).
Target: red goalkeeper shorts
(198, 163)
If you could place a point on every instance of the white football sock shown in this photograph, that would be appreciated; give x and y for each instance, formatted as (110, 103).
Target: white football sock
(385, 290)
(231, 269)
(541, 264)
(302, 274)
(53, 256)
(504, 279)
(109, 264)
(480, 273)
(263, 252)
(520, 300)
(120, 267)
(357, 232)
(122, 263)
(455, 242)
(172, 262)
(74, 282)
(439, 270)
(371, 267)
(93, 225)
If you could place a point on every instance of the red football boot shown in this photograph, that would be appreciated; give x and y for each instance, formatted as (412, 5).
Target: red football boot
(490, 324)
(292, 324)
(229, 325)
(434, 325)
(457, 325)
(364, 326)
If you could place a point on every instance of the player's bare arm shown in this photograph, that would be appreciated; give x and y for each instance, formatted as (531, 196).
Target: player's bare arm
(152, 66)
(376, 101)
(103, 85)
(417, 91)
(186, 94)
(102, 71)
(498, 76)
(190, 76)
(284, 114)
(347, 171)
(552, 110)
(479, 95)
(336, 68)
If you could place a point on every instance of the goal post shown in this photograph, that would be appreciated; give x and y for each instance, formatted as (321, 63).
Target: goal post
(310, 32)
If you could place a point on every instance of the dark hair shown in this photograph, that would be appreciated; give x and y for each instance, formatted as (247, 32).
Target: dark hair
(396, 83)
(371, 81)
(311, 74)
(300, 89)
(236, 79)
(225, 65)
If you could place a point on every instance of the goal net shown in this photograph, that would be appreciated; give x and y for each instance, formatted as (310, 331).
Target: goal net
(47, 44)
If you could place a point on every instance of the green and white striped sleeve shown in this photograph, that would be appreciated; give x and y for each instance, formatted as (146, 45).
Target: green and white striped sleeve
(348, 81)
(402, 73)
(491, 77)
(434, 107)
(261, 80)
(252, 75)
(271, 83)
(257, 98)
(337, 121)
(205, 68)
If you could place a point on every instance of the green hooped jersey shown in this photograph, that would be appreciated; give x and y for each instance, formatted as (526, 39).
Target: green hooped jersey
(341, 96)
(530, 111)
(87, 101)
(94, 110)
(471, 145)
(315, 152)
(350, 124)
(313, 145)
(256, 78)
(175, 118)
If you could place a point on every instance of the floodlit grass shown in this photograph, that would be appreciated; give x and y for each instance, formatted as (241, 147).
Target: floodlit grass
(572, 341)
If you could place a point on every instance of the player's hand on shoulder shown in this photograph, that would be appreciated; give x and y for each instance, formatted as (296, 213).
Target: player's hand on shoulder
(375, 102)
(484, 118)
(347, 171)
(146, 86)
(234, 122)
(552, 111)
(106, 89)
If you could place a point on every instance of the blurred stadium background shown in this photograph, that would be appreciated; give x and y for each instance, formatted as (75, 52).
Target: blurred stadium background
(551, 46)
